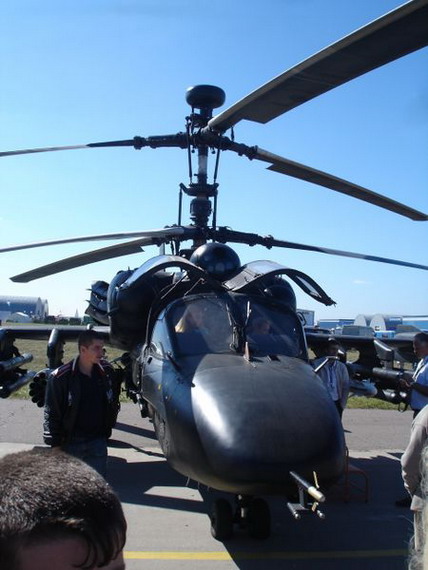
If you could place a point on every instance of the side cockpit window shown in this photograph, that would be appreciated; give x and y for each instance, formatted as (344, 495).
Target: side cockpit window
(274, 332)
(160, 343)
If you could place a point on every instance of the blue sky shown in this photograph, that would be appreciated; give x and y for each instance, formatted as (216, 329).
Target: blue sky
(84, 71)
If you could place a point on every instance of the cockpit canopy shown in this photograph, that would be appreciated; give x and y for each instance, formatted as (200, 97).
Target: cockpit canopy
(223, 323)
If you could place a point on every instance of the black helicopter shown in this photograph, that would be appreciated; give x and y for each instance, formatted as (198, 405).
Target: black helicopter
(215, 352)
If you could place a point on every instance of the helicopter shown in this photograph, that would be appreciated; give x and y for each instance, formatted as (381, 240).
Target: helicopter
(229, 399)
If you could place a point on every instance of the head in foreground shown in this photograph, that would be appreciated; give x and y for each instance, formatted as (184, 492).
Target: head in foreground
(57, 512)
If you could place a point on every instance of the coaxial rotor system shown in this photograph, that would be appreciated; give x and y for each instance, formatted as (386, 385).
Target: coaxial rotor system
(396, 34)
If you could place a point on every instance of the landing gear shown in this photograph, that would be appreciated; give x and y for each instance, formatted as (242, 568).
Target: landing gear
(162, 433)
(258, 519)
(222, 520)
(250, 513)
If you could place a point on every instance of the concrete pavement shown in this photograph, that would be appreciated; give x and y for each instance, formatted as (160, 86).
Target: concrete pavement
(168, 517)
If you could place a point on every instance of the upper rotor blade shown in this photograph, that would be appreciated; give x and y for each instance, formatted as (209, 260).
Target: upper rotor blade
(179, 140)
(45, 149)
(297, 170)
(162, 233)
(129, 142)
(84, 259)
(388, 38)
(269, 241)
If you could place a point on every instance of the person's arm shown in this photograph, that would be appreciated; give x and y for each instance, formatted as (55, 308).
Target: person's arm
(419, 384)
(410, 460)
(418, 387)
(344, 379)
(53, 412)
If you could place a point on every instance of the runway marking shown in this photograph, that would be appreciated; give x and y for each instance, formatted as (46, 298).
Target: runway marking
(135, 555)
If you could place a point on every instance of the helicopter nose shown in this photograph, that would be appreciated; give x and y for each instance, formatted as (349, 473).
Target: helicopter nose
(246, 445)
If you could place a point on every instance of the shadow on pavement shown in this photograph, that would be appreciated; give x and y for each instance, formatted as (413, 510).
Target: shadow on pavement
(354, 535)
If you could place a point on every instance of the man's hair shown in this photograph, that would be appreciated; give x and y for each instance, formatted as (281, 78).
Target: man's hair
(47, 496)
(421, 337)
(86, 338)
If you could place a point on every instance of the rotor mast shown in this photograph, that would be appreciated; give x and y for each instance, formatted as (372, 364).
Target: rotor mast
(204, 98)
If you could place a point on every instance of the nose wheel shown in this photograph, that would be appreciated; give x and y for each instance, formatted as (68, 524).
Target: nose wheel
(251, 513)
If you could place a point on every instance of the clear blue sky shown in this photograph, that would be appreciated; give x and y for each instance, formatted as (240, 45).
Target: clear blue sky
(79, 71)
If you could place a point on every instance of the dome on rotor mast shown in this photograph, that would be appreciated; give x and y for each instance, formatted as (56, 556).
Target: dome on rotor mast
(217, 259)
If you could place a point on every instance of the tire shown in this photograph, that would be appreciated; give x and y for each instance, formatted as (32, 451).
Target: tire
(221, 520)
(162, 434)
(258, 519)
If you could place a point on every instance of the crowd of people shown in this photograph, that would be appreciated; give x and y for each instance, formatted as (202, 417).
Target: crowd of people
(414, 461)
(56, 508)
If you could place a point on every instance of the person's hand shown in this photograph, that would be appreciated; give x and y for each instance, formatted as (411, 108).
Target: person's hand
(406, 383)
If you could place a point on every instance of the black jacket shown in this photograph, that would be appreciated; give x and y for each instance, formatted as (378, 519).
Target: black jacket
(62, 401)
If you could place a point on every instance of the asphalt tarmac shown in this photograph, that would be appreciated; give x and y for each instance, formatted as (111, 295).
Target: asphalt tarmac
(168, 518)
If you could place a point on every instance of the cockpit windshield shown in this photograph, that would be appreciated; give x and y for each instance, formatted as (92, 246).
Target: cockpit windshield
(219, 324)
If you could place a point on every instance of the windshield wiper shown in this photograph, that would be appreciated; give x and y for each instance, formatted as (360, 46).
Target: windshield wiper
(238, 332)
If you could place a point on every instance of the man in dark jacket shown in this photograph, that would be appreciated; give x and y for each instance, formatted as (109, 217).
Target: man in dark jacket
(82, 403)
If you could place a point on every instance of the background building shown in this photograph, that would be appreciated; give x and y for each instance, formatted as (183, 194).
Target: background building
(32, 307)
(381, 325)
(334, 324)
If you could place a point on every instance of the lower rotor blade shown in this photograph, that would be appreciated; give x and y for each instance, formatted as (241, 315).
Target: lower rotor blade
(269, 241)
(162, 233)
(84, 259)
(320, 178)
(110, 252)
(351, 254)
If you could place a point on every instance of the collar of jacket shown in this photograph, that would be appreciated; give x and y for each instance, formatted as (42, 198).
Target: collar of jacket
(75, 368)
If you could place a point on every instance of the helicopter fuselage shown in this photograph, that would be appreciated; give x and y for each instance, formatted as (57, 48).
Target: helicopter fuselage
(236, 409)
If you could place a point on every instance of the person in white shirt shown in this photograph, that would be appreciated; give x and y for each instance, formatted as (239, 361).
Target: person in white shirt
(334, 375)
(418, 385)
